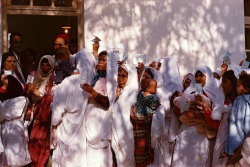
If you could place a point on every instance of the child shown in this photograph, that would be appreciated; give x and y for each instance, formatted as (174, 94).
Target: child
(141, 118)
(64, 68)
(239, 119)
(147, 102)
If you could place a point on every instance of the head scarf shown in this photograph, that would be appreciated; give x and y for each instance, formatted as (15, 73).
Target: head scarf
(188, 76)
(218, 72)
(41, 78)
(212, 90)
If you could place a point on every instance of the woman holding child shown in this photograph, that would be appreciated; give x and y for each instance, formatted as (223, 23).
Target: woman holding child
(199, 121)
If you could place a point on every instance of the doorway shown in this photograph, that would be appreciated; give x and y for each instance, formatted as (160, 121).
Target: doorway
(40, 31)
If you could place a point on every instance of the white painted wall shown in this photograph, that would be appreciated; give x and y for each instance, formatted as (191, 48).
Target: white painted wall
(192, 31)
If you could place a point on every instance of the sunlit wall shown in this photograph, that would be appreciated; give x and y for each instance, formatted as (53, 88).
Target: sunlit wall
(191, 31)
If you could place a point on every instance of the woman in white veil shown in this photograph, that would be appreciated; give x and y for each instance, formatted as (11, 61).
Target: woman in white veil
(98, 115)
(121, 127)
(68, 138)
(200, 122)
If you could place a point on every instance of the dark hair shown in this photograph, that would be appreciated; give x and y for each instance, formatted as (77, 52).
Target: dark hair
(15, 34)
(4, 58)
(103, 53)
(230, 75)
(150, 72)
(245, 81)
(62, 53)
(145, 84)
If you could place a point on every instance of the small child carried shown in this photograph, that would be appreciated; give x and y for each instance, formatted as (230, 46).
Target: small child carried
(147, 101)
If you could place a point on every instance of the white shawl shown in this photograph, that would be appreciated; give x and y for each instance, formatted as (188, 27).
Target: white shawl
(213, 91)
(122, 129)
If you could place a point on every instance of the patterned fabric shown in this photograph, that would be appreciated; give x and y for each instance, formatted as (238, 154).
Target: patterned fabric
(144, 154)
(39, 145)
(146, 105)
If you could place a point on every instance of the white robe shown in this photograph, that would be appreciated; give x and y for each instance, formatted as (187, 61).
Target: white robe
(14, 141)
(68, 138)
(121, 127)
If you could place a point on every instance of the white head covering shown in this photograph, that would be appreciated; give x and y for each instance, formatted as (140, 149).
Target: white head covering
(122, 129)
(188, 76)
(41, 80)
(218, 72)
(213, 91)
(70, 101)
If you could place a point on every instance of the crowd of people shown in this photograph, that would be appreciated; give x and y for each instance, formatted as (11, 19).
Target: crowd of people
(82, 111)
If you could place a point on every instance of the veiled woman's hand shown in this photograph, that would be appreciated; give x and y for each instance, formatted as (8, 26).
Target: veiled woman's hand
(200, 102)
(88, 88)
(31, 87)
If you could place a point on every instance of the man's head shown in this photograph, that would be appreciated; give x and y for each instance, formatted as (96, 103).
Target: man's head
(16, 42)
(62, 40)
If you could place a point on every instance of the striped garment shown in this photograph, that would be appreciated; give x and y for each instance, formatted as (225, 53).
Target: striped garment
(144, 154)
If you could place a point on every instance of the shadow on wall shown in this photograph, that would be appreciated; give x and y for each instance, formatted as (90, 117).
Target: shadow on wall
(193, 32)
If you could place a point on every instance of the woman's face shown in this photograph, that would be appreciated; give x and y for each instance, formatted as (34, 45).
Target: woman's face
(102, 63)
(45, 68)
(226, 85)
(10, 63)
(200, 78)
(122, 78)
(186, 83)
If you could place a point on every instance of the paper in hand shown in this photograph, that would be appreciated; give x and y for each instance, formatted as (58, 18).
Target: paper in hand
(198, 89)
(83, 78)
(30, 79)
(185, 107)
(7, 72)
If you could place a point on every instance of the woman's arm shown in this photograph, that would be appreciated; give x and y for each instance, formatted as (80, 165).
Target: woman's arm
(32, 89)
(100, 99)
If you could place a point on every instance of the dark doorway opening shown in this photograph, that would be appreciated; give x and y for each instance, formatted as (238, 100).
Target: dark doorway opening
(40, 31)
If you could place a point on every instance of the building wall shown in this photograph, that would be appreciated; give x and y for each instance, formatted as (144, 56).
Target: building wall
(193, 32)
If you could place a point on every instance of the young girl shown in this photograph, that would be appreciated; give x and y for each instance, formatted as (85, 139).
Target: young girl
(147, 102)
(239, 127)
